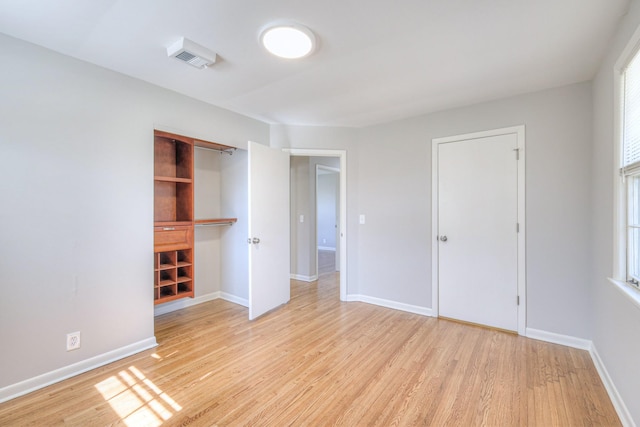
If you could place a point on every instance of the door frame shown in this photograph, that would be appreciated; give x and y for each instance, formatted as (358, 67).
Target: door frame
(342, 154)
(336, 256)
(519, 131)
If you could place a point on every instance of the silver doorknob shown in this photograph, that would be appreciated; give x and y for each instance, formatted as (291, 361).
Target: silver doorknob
(443, 238)
(255, 240)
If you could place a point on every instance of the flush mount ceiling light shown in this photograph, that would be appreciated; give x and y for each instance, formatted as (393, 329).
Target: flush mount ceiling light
(288, 40)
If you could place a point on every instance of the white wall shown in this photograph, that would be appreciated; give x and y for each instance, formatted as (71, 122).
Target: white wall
(207, 201)
(76, 178)
(616, 320)
(300, 204)
(333, 162)
(76, 167)
(389, 181)
(324, 138)
(303, 202)
(394, 191)
(234, 260)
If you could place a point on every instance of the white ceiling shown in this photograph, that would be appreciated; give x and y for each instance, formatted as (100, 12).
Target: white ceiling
(378, 60)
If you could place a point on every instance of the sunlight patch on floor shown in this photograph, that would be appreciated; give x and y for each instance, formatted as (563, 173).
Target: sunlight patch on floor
(136, 399)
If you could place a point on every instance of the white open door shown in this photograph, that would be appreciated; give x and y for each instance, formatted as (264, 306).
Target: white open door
(269, 285)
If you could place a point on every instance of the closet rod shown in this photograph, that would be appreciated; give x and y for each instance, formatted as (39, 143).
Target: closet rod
(214, 224)
(228, 151)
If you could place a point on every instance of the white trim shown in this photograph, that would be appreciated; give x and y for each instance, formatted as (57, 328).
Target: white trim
(554, 338)
(522, 235)
(619, 193)
(435, 247)
(619, 221)
(303, 278)
(326, 248)
(27, 386)
(190, 302)
(621, 409)
(342, 154)
(633, 294)
(170, 306)
(423, 311)
(522, 274)
(234, 299)
(629, 51)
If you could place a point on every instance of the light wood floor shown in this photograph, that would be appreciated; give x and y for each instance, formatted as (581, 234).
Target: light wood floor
(317, 361)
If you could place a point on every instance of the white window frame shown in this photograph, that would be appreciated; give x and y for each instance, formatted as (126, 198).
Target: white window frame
(620, 276)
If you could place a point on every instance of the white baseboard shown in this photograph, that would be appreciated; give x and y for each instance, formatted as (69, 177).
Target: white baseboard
(32, 384)
(27, 386)
(302, 278)
(616, 399)
(424, 311)
(189, 302)
(234, 299)
(326, 248)
(183, 303)
(554, 338)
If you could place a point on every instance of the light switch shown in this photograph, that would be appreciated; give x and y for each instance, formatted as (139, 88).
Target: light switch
(361, 218)
(301, 218)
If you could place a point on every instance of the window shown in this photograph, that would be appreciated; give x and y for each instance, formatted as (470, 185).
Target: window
(630, 165)
(633, 229)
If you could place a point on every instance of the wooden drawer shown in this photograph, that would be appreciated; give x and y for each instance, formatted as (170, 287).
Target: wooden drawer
(172, 238)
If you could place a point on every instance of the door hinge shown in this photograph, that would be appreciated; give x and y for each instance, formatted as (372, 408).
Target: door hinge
(517, 227)
(518, 300)
(517, 150)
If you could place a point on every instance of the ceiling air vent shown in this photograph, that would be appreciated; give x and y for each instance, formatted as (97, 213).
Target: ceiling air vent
(192, 53)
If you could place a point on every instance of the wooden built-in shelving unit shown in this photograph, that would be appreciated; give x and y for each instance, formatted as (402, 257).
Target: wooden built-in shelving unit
(173, 214)
(173, 217)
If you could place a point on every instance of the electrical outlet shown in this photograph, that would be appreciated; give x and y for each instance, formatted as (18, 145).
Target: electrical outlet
(73, 341)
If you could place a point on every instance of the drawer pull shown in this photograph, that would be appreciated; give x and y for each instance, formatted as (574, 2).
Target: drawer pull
(168, 228)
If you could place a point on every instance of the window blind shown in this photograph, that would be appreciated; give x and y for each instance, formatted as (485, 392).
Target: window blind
(631, 117)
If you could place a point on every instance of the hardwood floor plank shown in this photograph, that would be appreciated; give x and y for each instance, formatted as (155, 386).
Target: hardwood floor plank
(319, 361)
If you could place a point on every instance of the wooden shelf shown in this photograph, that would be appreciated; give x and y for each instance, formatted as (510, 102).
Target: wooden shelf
(172, 179)
(173, 216)
(214, 146)
(173, 201)
(162, 224)
(196, 142)
(173, 275)
(173, 158)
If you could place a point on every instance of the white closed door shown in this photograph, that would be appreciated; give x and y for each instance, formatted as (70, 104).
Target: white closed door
(477, 230)
(269, 285)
